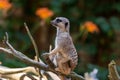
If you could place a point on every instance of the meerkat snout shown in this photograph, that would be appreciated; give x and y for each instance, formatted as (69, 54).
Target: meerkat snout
(61, 23)
(53, 23)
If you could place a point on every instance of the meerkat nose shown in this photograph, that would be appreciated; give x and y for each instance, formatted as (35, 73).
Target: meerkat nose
(53, 23)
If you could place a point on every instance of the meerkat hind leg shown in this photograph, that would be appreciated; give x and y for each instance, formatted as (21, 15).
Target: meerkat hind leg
(63, 66)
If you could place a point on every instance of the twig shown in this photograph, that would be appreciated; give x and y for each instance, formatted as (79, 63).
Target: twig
(50, 48)
(35, 47)
(33, 41)
(113, 74)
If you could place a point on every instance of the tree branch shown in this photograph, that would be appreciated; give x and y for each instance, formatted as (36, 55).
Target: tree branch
(33, 41)
(35, 47)
(5, 70)
(21, 56)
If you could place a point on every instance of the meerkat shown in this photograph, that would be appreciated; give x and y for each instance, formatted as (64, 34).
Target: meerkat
(64, 55)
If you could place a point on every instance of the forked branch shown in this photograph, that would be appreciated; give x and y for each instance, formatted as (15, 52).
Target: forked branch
(21, 56)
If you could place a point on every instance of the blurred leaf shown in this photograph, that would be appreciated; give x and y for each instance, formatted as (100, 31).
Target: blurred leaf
(113, 56)
(116, 6)
(10, 62)
(115, 23)
(25, 39)
(18, 3)
(56, 6)
(13, 63)
(105, 27)
(68, 1)
(91, 49)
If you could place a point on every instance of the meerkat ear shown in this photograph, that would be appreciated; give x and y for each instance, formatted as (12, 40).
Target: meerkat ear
(66, 24)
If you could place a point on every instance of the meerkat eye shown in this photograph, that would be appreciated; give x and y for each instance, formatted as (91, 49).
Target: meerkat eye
(58, 20)
(66, 23)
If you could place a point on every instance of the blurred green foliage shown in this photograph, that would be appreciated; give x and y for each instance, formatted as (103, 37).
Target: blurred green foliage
(95, 51)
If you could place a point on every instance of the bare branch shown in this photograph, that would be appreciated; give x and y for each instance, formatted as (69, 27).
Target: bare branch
(50, 48)
(35, 47)
(21, 56)
(33, 41)
(24, 58)
(6, 50)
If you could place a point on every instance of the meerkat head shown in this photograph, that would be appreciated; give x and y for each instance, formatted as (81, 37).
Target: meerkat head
(62, 23)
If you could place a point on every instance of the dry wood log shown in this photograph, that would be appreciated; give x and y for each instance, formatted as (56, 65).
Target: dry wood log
(113, 74)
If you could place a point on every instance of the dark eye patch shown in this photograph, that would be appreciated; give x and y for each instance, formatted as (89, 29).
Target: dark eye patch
(58, 20)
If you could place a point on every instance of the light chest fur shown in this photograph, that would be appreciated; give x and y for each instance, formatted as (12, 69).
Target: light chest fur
(67, 48)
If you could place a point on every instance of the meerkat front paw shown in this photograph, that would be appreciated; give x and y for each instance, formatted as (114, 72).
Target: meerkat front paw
(45, 55)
